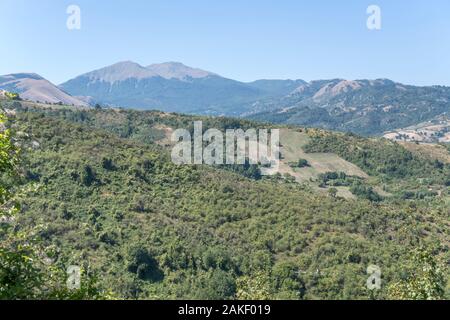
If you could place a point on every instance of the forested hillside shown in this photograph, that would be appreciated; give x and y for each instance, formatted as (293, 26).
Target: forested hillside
(109, 199)
(367, 107)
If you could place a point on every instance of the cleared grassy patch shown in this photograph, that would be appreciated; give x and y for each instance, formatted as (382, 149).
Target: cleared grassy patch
(292, 143)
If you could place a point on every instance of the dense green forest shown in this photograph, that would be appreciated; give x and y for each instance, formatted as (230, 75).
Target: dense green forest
(93, 189)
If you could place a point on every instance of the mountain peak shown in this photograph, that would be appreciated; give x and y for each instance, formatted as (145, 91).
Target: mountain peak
(120, 71)
(124, 70)
(125, 64)
(177, 70)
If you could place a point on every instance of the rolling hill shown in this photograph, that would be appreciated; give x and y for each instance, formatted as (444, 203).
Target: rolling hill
(111, 200)
(33, 87)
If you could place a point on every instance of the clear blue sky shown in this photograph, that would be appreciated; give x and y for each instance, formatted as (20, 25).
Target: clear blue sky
(239, 39)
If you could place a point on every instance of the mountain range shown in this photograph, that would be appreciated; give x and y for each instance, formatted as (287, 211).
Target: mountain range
(368, 107)
(173, 86)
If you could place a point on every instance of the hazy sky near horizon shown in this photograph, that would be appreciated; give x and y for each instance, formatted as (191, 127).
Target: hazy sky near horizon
(242, 40)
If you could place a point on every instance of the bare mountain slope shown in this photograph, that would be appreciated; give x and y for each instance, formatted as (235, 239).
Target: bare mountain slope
(33, 87)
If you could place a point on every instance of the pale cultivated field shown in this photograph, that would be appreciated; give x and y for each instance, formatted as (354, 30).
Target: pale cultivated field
(431, 131)
(292, 143)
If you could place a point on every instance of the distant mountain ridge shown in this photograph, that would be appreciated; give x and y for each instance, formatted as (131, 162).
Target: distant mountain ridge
(173, 86)
(125, 70)
(177, 70)
(31, 86)
(367, 107)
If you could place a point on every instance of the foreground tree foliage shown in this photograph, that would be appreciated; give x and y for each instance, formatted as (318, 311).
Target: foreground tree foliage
(427, 280)
(254, 287)
(18, 274)
(112, 202)
(26, 267)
